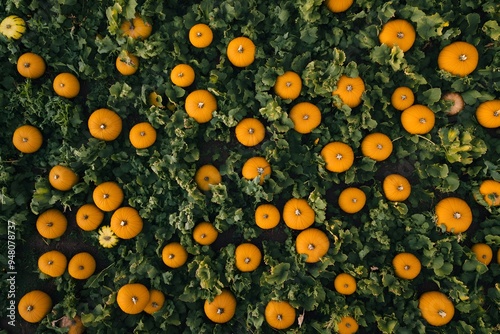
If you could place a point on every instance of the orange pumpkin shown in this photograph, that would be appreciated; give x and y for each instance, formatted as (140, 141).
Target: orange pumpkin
(133, 298)
(256, 167)
(377, 146)
(34, 306)
(402, 98)
(352, 200)
(313, 243)
(142, 135)
(30, 65)
(205, 233)
(406, 265)
(350, 90)
(66, 85)
(279, 314)
(222, 308)
(345, 284)
(338, 6)
(396, 188)
(127, 63)
(398, 32)
(458, 58)
(483, 252)
(174, 255)
(241, 51)
(250, 132)
(137, 28)
(418, 119)
(52, 263)
(182, 75)
(126, 222)
(348, 325)
(338, 156)
(89, 217)
(62, 178)
(207, 175)
(200, 104)
(305, 117)
(200, 35)
(247, 257)
(288, 85)
(298, 214)
(488, 114)
(81, 266)
(490, 189)
(51, 224)
(436, 308)
(454, 213)
(108, 196)
(27, 139)
(267, 216)
(105, 124)
(155, 302)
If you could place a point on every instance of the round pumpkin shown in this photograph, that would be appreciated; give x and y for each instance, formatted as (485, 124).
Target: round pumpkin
(454, 213)
(81, 266)
(89, 217)
(62, 178)
(305, 117)
(155, 302)
(348, 325)
(483, 252)
(34, 306)
(406, 265)
(126, 222)
(142, 135)
(398, 32)
(250, 132)
(345, 284)
(30, 65)
(458, 58)
(241, 51)
(288, 85)
(402, 98)
(137, 28)
(279, 314)
(200, 104)
(298, 214)
(13, 27)
(222, 308)
(436, 308)
(458, 103)
(313, 243)
(27, 139)
(133, 298)
(105, 124)
(488, 114)
(376, 146)
(350, 90)
(51, 224)
(76, 326)
(396, 188)
(352, 200)
(174, 255)
(490, 189)
(338, 6)
(247, 257)
(338, 157)
(127, 63)
(108, 196)
(418, 119)
(205, 233)
(182, 75)
(267, 216)
(207, 175)
(52, 263)
(256, 167)
(200, 35)
(66, 85)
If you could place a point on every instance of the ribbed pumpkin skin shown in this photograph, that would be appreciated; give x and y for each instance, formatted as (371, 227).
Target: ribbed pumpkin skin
(396, 188)
(27, 139)
(436, 308)
(207, 175)
(156, 301)
(137, 28)
(34, 306)
(174, 255)
(126, 222)
(458, 58)
(305, 117)
(127, 63)
(247, 257)
(352, 200)
(279, 314)
(418, 119)
(182, 75)
(298, 214)
(377, 146)
(241, 51)
(66, 85)
(142, 135)
(398, 32)
(483, 252)
(108, 196)
(490, 189)
(350, 90)
(345, 284)
(89, 217)
(256, 167)
(488, 114)
(338, 6)
(81, 266)
(105, 124)
(402, 98)
(51, 224)
(288, 85)
(62, 178)
(30, 65)
(406, 266)
(132, 298)
(348, 325)
(250, 132)
(200, 104)
(267, 216)
(200, 35)
(205, 233)
(312, 242)
(222, 308)
(338, 156)
(13, 27)
(454, 213)
(52, 263)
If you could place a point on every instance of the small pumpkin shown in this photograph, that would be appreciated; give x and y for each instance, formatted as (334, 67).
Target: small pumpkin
(247, 257)
(436, 308)
(51, 224)
(27, 139)
(313, 243)
(241, 51)
(52, 263)
(350, 90)
(406, 265)
(34, 306)
(200, 35)
(89, 217)
(137, 28)
(483, 252)
(108, 196)
(155, 302)
(288, 85)
(126, 222)
(345, 284)
(155, 99)
(298, 214)
(250, 132)
(458, 103)
(279, 314)
(205, 233)
(81, 266)
(13, 27)
(458, 58)
(182, 75)
(200, 104)
(488, 114)
(62, 178)
(174, 255)
(76, 326)
(348, 325)
(105, 124)
(222, 308)
(207, 175)
(127, 63)
(305, 117)
(142, 135)
(418, 119)
(267, 216)
(454, 213)
(396, 188)
(338, 6)
(30, 65)
(338, 157)
(133, 298)
(398, 32)
(490, 189)
(66, 85)
(256, 167)
(377, 146)
(402, 98)
(352, 200)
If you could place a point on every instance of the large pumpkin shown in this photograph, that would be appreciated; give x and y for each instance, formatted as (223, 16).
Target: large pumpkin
(352, 200)
(377, 146)
(200, 35)
(137, 28)
(288, 85)
(488, 114)
(305, 117)
(81, 266)
(200, 104)
(108, 196)
(396, 188)
(27, 139)
(454, 213)
(247, 257)
(51, 224)
(436, 308)
(30, 65)
(338, 156)
(89, 217)
(241, 51)
(256, 167)
(222, 308)
(105, 124)
(66, 85)
(279, 314)
(406, 265)
(398, 32)
(62, 178)
(126, 222)
(34, 306)
(207, 175)
(313, 243)
(52, 263)
(458, 58)
(174, 255)
(298, 214)
(350, 90)
(132, 298)
(250, 132)
(267, 216)
(418, 119)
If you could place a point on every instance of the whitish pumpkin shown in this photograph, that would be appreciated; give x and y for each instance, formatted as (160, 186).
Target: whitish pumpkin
(247, 257)
(51, 224)
(200, 35)
(305, 117)
(81, 266)
(288, 85)
(256, 167)
(406, 265)
(454, 213)
(66, 85)
(298, 214)
(126, 222)
(396, 187)
(250, 132)
(132, 298)
(142, 135)
(200, 104)
(52, 263)
(313, 243)
(398, 32)
(105, 124)
(377, 146)
(350, 90)
(279, 314)
(30, 65)
(241, 51)
(207, 175)
(174, 255)
(457, 103)
(345, 284)
(483, 252)
(13, 27)
(267, 216)
(34, 306)
(338, 157)
(436, 308)
(458, 58)
(352, 200)
(418, 119)
(222, 308)
(27, 139)
(488, 114)
(62, 178)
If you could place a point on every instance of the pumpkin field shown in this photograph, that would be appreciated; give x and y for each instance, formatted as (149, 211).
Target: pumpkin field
(223, 166)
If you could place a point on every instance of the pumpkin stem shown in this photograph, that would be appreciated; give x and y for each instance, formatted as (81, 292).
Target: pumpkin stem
(105, 196)
(198, 34)
(171, 256)
(265, 216)
(339, 156)
(50, 262)
(251, 131)
(220, 310)
(85, 216)
(103, 126)
(50, 224)
(406, 267)
(457, 215)
(354, 200)
(25, 140)
(288, 84)
(400, 187)
(403, 97)
(349, 88)
(143, 133)
(279, 317)
(400, 34)
(81, 267)
(379, 146)
(123, 223)
(200, 104)
(496, 113)
(462, 57)
(29, 308)
(422, 120)
(348, 325)
(134, 300)
(154, 304)
(180, 75)
(56, 177)
(206, 178)
(260, 170)
(26, 65)
(240, 49)
(297, 212)
(203, 236)
(305, 117)
(442, 313)
(310, 247)
(247, 260)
